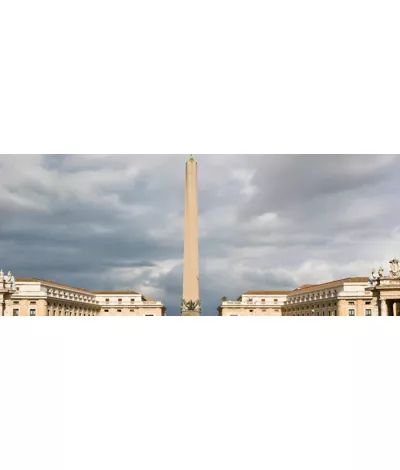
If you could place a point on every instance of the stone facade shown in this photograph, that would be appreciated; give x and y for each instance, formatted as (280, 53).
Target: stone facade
(254, 303)
(345, 297)
(38, 297)
(386, 289)
(128, 303)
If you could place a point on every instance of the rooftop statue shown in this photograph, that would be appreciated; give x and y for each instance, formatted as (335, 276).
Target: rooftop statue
(394, 268)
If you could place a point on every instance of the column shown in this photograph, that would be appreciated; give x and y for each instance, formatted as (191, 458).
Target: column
(395, 308)
(191, 291)
(384, 308)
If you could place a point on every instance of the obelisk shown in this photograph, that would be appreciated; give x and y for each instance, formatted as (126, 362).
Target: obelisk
(191, 305)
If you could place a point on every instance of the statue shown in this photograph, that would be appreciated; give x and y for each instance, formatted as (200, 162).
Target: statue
(12, 280)
(191, 305)
(394, 268)
(1, 276)
(380, 273)
(374, 278)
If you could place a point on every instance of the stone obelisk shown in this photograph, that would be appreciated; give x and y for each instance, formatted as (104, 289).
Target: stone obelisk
(191, 305)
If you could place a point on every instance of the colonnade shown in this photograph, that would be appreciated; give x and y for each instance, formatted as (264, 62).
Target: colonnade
(389, 307)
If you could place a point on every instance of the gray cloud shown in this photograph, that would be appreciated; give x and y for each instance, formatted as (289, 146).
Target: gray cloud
(116, 221)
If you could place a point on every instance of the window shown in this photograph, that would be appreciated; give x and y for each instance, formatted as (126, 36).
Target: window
(132, 310)
(368, 312)
(106, 311)
(16, 302)
(351, 303)
(16, 312)
(119, 301)
(263, 310)
(251, 311)
(263, 301)
(250, 301)
(107, 301)
(32, 312)
(367, 303)
(329, 313)
(132, 301)
(276, 310)
(352, 312)
(33, 303)
(119, 311)
(275, 301)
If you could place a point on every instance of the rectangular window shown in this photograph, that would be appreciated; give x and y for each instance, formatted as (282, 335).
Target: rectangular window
(106, 311)
(367, 303)
(351, 303)
(119, 301)
(263, 301)
(132, 301)
(352, 312)
(275, 301)
(33, 303)
(107, 301)
(16, 302)
(251, 311)
(276, 310)
(32, 312)
(264, 310)
(119, 311)
(368, 312)
(16, 312)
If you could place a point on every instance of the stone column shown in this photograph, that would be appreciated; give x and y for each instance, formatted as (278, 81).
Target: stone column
(395, 308)
(384, 308)
(191, 288)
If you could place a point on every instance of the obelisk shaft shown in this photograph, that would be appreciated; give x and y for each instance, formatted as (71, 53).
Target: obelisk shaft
(191, 284)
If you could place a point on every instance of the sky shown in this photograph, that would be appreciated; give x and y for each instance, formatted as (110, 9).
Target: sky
(265, 221)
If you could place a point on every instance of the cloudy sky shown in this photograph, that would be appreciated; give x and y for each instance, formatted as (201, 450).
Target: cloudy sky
(266, 221)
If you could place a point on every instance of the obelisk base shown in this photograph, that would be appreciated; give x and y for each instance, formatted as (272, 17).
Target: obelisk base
(191, 308)
(190, 313)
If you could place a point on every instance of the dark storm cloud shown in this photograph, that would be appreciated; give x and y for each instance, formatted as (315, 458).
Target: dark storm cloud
(116, 221)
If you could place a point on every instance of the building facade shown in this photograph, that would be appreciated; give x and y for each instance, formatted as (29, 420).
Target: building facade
(254, 303)
(386, 289)
(128, 303)
(38, 297)
(345, 297)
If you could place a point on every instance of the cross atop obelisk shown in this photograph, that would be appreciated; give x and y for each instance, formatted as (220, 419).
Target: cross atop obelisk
(191, 305)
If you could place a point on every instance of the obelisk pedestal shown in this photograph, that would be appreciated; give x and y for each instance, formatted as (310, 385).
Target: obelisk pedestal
(191, 305)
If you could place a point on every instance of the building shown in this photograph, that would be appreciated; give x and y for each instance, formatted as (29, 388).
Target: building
(345, 297)
(128, 303)
(386, 290)
(255, 303)
(38, 297)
